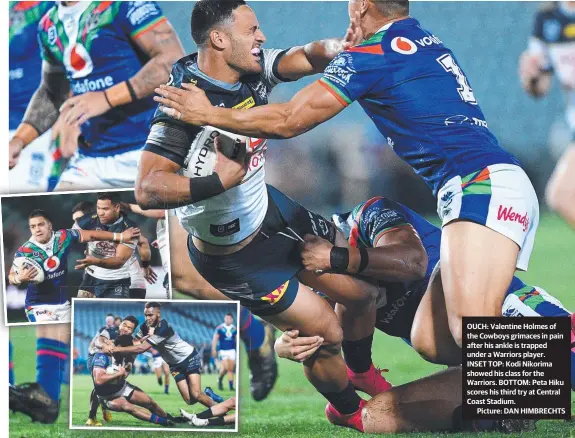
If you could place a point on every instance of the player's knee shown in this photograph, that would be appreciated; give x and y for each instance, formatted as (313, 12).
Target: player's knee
(381, 414)
(332, 339)
(194, 396)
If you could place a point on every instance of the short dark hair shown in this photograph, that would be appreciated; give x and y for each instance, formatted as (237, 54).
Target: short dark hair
(154, 304)
(110, 314)
(114, 198)
(209, 13)
(85, 207)
(229, 314)
(124, 341)
(39, 213)
(392, 8)
(132, 319)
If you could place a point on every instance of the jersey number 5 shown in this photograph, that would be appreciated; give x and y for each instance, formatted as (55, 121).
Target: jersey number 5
(465, 91)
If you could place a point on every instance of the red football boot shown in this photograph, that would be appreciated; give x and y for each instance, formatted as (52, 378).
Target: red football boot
(371, 382)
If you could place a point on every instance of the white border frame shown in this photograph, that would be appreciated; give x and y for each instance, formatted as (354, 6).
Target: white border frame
(19, 195)
(156, 429)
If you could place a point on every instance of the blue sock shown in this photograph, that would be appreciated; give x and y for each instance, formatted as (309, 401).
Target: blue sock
(166, 388)
(158, 420)
(231, 382)
(252, 330)
(51, 358)
(11, 377)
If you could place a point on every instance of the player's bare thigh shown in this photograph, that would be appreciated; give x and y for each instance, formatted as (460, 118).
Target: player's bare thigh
(425, 405)
(477, 266)
(560, 191)
(430, 334)
(60, 332)
(185, 277)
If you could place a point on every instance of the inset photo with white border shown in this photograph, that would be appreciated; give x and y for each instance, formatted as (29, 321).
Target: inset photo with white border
(152, 372)
(92, 244)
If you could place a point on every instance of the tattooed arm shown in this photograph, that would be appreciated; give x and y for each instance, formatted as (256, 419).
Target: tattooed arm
(42, 110)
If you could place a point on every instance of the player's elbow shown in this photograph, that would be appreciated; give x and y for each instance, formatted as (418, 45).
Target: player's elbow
(145, 193)
(415, 264)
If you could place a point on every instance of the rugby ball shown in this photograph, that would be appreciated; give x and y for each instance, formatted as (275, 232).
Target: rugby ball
(20, 263)
(201, 159)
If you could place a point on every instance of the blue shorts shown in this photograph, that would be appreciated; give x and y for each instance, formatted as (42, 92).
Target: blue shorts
(106, 288)
(190, 365)
(262, 275)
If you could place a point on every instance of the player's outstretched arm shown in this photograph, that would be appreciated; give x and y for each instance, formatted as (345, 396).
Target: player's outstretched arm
(106, 236)
(43, 109)
(137, 348)
(215, 344)
(159, 187)
(310, 107)
(123, 253)
(101, 377)
(314, 57)
(154, 214)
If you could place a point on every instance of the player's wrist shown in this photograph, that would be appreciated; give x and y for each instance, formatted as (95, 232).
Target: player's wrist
(206, 187)
(145, 263)
(24, 135)
(120, 94)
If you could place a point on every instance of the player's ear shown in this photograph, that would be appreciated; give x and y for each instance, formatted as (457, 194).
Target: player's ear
(219, 40)
(364, 7)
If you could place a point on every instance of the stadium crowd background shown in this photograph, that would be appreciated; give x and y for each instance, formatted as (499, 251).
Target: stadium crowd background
(345, 161)
(195, 322)
(15, 229)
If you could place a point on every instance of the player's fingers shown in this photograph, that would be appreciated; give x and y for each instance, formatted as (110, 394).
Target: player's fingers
(306, 354)
(172, 90)
(69, 103)
(82, 119)
(191, 87)
(307, 341)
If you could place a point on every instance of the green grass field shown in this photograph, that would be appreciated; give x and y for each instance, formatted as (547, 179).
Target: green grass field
(294, 409)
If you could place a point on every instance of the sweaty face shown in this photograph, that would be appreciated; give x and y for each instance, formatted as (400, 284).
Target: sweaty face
(127, 328)
(41, 229)
(152, 316)
(246, 39)
(107, 212)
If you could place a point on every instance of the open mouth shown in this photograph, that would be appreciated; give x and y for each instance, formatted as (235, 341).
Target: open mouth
(256, 51)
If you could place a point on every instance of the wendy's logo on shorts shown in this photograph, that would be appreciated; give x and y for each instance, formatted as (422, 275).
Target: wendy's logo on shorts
(277, 294)
(506, 214)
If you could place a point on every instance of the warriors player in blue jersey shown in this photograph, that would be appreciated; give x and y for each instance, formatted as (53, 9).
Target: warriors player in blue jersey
(243, 235)
(224, 346)
(403, 250)
(31, 175)
(48, 300)
(551, 52)
(110, 55)
(420, 99)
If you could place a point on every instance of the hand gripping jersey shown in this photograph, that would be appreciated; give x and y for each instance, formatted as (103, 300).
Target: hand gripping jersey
(106, 250)
(110, 333)
(24, 57)
(419, 98)
(94, 42)
(396, 308)
(227, 336)
(232, 216)
(553, 39)
(167, 342)
(53, 257)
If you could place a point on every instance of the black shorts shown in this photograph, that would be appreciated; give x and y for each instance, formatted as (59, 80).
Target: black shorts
(262, 275)
(190, 365)
(106, 288)
(396, 317)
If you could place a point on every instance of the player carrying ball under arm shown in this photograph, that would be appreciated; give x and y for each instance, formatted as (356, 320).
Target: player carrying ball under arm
(244, 234)
(403, 249)
(48, 301)
(111, 55)
(418, 96)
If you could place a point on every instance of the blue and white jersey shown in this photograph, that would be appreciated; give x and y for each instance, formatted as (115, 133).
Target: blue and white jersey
(103, 361)
(420, 99)
(226, 336)
(166, 341)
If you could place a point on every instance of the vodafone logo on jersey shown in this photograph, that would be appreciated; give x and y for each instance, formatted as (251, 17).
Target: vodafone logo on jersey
(403, 45)
(51, 263)
(78, 61)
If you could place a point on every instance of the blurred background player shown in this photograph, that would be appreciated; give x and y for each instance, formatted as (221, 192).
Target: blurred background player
(106, 266)
(48, 300)
(224, 346)
(40, 400)
(551, 52)
(161, 368)
(31, 175)
(111, 56)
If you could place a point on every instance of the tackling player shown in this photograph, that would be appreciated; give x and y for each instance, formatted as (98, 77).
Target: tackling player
(115, 392)
(552, 51)
(106, 266)
(420, 99)
(111, 55)
(244, 234)
(31, 175)
(48, 301)
(403, 250)
(224, 341)
(183, 359)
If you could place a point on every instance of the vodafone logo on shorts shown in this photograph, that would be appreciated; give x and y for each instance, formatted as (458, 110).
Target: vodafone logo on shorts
(506, 214)
(403, 45)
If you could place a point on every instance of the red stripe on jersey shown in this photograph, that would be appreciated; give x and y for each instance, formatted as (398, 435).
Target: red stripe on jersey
(24, 6)
(374, 50)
